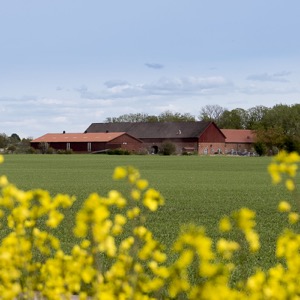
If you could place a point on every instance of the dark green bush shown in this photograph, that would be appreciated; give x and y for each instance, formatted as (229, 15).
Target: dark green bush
(167, 148)
(260, 148)
(118, 151)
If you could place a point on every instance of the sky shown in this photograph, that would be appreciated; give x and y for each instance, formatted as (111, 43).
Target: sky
(65, 64)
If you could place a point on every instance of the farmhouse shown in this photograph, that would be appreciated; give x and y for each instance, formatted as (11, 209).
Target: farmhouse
(89, 142)
(198, 137)
(239, 140)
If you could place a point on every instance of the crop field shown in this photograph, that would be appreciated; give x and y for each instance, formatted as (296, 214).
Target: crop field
(197, 190)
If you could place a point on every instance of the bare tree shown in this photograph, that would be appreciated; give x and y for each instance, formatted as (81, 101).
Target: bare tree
(211, 113)
(133, 118)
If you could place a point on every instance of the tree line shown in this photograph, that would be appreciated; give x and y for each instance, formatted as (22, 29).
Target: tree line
(14, 144)
(276, 127)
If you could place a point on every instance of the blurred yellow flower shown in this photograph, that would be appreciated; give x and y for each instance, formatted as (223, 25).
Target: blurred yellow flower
(119, 173)
(3, 181)
(141, 184)
(290, 185)
(225, 224)
(293, 217)
(284, 206)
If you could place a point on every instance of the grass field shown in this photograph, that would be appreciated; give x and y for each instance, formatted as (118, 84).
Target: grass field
(197, 190)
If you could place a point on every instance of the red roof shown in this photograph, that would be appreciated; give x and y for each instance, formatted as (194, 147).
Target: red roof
(78, 137)
(239, 136)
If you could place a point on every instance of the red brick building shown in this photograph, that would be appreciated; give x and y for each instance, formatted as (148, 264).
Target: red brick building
(195, 137)
(191, 137)
(239, 140)
(89, 142)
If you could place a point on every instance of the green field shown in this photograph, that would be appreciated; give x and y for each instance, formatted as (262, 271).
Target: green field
(197, 189)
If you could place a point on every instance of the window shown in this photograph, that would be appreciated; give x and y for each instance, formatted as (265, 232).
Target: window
(68, 146)
(89, 147)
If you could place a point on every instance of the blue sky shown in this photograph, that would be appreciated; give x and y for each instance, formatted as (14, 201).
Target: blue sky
(65, 64)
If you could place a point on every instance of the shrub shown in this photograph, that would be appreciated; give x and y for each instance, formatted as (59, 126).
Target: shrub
(33, 264)
(118, 151)
(63, 151)
(260, 148)
(50, 150)
(43, 147)
(167, 148)
(142, 151)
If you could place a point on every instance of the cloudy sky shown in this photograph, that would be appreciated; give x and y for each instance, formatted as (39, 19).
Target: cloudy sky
(65, 64)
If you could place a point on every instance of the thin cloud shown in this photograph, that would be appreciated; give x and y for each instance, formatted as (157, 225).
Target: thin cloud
(188, 85)
(257, 90)
(86, 94)
(164, 86)
(114, 83)
(154, 66)
(276, 77)
(283, 73)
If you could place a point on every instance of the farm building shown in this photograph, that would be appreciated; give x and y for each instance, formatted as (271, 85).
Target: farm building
(188, 137)
(89, 142)
(195, 137)
(239, 140)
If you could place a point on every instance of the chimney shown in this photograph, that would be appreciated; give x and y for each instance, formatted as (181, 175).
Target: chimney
(64, 132)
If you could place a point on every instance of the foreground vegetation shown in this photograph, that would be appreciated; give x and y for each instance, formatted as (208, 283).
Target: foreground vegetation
(197, 190)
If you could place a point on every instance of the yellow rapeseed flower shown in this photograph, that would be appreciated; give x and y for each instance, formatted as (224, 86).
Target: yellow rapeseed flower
(253, 239)
(227, 248)
(120, 219)
(293, 157)
(133, 213)
(274, 172)
(293, 217)
(141, 184)
(119, 173)
(225, 224)
(292, 170)
(159, 256)
(153, 199)
(3, 181)
(284, 206)
(185, 259)
(135, 194)
(290, 185)
(55, 217)
(1, 159)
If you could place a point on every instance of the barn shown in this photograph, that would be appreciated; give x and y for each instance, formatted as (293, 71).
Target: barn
(89, 142)
(200, 137)
(239, 141)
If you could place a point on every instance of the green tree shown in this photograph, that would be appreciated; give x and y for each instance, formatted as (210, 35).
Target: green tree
(3, 140)
(255, 116)
(285, 119)
(14, 139)
(272, 138)
(234, 119)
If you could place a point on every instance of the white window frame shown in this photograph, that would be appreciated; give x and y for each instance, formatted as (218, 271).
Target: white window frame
(89, 146)
(68, 146)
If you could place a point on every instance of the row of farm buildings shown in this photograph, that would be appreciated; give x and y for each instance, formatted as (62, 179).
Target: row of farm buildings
(189, 137)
